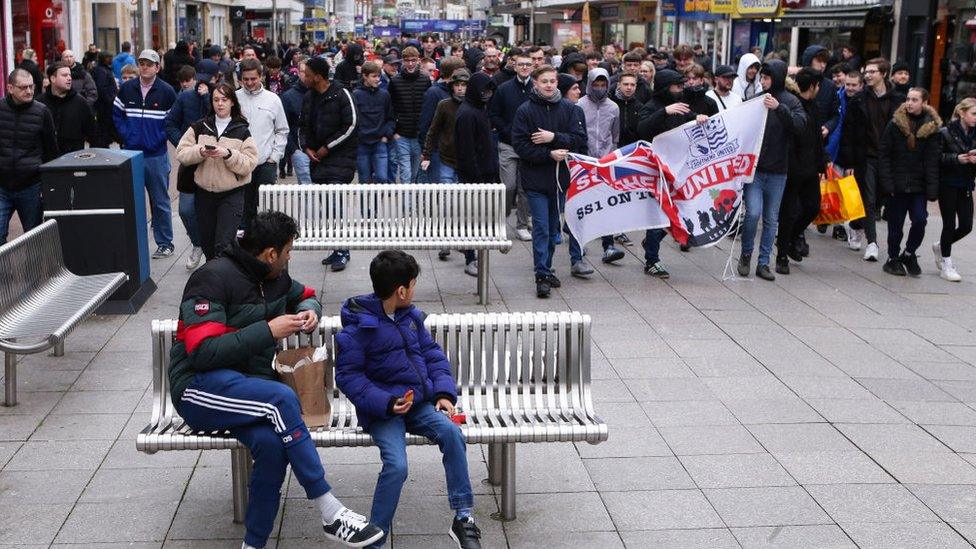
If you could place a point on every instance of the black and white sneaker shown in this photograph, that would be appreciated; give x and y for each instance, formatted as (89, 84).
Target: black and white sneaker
(352, 529)
(466, 533)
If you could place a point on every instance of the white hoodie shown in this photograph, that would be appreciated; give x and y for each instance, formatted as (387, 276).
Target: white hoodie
(266, 121)
(742, 87)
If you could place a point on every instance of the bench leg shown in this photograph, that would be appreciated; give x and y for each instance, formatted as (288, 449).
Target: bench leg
(482, 277)
(508, 483)
(59, 349)
(240, 472)
(10, 379)
(495, 464)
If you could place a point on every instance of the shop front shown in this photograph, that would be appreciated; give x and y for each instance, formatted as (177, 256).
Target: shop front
(954, 63)
(756, 26)
(41, 25)
(628, 24)
(865, 25)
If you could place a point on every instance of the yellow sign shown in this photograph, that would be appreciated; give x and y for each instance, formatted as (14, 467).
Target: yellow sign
(703, 6)
(721, 6)
(756, 7)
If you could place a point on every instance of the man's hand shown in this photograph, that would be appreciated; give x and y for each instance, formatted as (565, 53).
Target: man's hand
(558, 154)
(285, 325)
(770, 102)
(701, 118)
(424, 164)
(311, 155)
(677, 108)
(401, 406)
(824, 131)
(445, 404)
(542, 136)
(310, 319)
(384, 139)
(396, 136)
(965, 158)
(322, 152)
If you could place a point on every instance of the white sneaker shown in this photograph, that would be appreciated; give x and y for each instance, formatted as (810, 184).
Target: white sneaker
(523, 234)
(854, 239)
(937, 252)
(948, 272)
(871, 253)
(196, 254)
(471, 269)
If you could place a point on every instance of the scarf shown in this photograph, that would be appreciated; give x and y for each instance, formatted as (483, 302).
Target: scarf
(554, 98)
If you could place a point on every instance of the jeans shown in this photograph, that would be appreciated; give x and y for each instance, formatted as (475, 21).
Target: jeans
(514, 194)
(188, 215)
(433, 172)
(156, 174)
(300, 162)
(867, 184)
(652, 245)
(447, 174)
(263, 174)
(392, 162)
(276, 439)
(408, 158)
(545, 229)
(372, 163)
(26, 202)
(388, 434)
(897, 207)
(219, 215)
(798, 208)
(954, 203)
(762, 197)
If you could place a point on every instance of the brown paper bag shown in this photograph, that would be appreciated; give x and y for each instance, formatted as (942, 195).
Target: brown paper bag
(311, 381)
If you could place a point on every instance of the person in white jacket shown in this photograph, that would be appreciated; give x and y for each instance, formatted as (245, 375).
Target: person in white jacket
(722, 92)
(268, 124)
(747, 83)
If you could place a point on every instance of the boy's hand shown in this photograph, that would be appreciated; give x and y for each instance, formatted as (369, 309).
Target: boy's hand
(446, 405)
(311, 320)
(285, 325)
(401, 406)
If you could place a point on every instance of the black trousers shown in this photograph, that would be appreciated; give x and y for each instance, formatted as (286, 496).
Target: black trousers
(897, 207)
(956, 206)
(218, 217)
(799, 207)
(867, 184)
(263, 174)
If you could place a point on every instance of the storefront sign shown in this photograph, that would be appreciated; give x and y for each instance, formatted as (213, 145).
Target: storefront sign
(821, 4)
(756, 7)
(566, 34)
(608, 11)
(721, 6)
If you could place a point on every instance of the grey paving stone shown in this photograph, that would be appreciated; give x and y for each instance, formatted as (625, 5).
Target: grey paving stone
(31, 523)
(18, 427)
(710, 439)
(826, 387)
(42, 487)
(117, 522)
(688, 413)
(48, 455)
(625, 442)
(927, 467)
(98, 402)
(934, 535)
(37, 377)
(871, 410)
(705, 538)
(637, 368)
(716, 367)
(209, 519)
(736, 471)
(610, 391)
(832, 467)
(937, 413)
(668, 389)
(801, 437)
(959, 438)
(645, 473)
(962, 390)
(892, 438)
(32, 404)
(827, 536)
(161, 486)
(7, 450)
(569, 540)
(944, 371)
(953, 504)
(583, 512)
(748, 388)
(80, 427)
(772, 411)
(906, 390)
(124, 455)
(767, 506)
(660, 510)
(852, 503)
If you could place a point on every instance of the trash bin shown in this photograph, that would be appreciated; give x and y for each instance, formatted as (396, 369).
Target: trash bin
(98, 198)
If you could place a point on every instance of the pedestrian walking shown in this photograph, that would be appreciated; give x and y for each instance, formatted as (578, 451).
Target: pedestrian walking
(956, 184)
(74, 122)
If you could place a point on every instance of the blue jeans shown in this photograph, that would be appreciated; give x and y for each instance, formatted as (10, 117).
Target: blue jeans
(27, 204)
(372, 163)
(652, 245)
(156, 174)
(408, 158)
(545, 228)
(188, 214)
(300, 162)
(392, 163)
(388, 434)
(447, 174)
(762, 197)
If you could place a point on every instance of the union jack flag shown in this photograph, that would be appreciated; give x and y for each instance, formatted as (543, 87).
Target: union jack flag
(632, 160)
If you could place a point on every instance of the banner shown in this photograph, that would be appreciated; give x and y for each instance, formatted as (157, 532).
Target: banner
(587, 33)
(614, 194)
(706, 166)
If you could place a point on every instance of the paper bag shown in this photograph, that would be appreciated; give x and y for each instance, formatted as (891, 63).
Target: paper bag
(308, 371)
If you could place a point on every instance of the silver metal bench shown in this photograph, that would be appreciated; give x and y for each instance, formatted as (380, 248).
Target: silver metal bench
(522, 377)
(396, 216)
(41, 301)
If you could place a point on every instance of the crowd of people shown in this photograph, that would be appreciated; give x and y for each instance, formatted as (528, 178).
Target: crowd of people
(423, 109)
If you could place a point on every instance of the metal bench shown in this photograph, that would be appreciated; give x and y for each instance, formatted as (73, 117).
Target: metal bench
(41, 301)
(522, 377)
(396, 216)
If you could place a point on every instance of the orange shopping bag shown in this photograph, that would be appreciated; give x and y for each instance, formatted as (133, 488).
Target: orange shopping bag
(840, 199)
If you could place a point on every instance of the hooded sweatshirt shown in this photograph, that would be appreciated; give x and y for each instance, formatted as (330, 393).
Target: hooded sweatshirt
(477, 157)
(742, 86)
(828, 103)
(602, 116)
(346, 73)
(782, 124)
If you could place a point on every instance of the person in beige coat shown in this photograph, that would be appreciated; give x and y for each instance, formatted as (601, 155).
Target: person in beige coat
(223, 151)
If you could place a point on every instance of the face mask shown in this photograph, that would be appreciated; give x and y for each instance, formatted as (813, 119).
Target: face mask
(598, 94)
(695, 91)
(677, 97)
(486, 96)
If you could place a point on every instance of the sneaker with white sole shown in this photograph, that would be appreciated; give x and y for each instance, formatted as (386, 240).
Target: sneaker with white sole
(196, 255)
(871, 253)
(854, 239)
(937, 252)
(471, 268)
(523, 234)
(581, 268)
(948, 272)
(163, 252)
(466, 533)
(352, 529)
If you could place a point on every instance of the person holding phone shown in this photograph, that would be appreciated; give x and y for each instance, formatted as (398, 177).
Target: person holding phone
(958, 163)
(223, 151)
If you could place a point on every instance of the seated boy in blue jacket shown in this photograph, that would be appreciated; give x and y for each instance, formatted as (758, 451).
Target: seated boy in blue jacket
(400, 382)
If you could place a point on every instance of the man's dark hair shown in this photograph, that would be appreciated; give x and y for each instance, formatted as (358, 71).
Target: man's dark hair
(126, 46)
(19, 73)
(856, 73)
(633, 57)
(593, 55)
(53, 67)
(370, 67)
(517, 52)
(391, 269)
(840, 68)
(186, 73)
(318, 66)
(627, 74)
(806, 78)
(269, 229)
(251, 65)
(273, 62)
(883, 65)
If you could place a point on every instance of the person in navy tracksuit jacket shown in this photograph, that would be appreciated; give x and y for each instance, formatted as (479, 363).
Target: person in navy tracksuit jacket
(139, 113)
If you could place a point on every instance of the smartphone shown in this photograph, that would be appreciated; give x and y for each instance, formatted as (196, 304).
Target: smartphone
(408, 396)
(209, 147)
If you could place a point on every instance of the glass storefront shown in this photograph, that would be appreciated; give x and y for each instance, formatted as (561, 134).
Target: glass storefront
(959, 65)
(41, 25)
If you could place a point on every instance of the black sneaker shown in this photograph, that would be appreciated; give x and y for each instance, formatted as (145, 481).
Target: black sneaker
(910, 261)
(782, 265)
(443, 255)
(339, 263)
(612, 254)
(332, 257)
(685, 247)
(794, 253)
(802, 246)
(466, 534)
(822, 229)
(352, 529)
(553, 281)
(840, 233)
(657, 270)
(763, 272)
(542, 287)
(743, 267)
(894, 266)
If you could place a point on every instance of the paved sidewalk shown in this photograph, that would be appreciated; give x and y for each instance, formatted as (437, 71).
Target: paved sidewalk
(835, 407)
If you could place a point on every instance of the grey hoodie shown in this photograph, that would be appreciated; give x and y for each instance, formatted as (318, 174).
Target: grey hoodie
(602, 118)
(743, 87)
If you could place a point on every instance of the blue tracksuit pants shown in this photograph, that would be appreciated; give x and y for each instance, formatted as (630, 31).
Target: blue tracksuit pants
(266, 417)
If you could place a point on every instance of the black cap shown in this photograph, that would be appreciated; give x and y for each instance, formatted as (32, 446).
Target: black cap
(665, 77)
(391, 60)
(725, 70)
(900, 66)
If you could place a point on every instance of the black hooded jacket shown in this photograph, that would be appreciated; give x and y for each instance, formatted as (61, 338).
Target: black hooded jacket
(477, 157)
(956, 141)
(630, 113)
(782, 123)
(807, 156)
(910, 154)
(537, 170)
(73, 119)
(173, 61)
(828, 103)
(346, 73)
(329, 120)
(654, 118)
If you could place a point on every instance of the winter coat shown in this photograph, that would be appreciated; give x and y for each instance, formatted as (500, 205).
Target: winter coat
(503, 75)
(474, 146)
(807, 155)
(602, 118)
(73, 119)
(219, 174)
(630, 111)
(741, 86)
(909, 155)
(407, 91)
(537, 170)
(643, 92)
(956, 141)
(828, 104)
(440, 137)
(782, 124)
(375, 110)
(83, 83)
(140, 121)
(224, 316)
(107, 89)
(189, 107)
(27, 140)
(291, 101)
(833, 139)
(654, 119)
(378, 359)
(853, 134)
(173, 61)
(329, 119)
(878, 112)
(506, 101)
(432, 97)
(267, 122)
(346, 72)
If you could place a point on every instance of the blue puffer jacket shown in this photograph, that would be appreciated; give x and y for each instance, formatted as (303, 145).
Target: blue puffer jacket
(189, 107)
(141, 122)
(434, 95)
(378, 359)
(537, 170)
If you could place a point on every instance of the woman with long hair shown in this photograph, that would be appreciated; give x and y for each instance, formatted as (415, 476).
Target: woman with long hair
(958, 163)
(221, 148)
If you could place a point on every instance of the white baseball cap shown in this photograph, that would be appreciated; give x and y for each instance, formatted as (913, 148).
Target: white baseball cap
(149, 55)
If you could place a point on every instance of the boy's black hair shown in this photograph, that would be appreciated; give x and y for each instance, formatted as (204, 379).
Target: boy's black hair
(806, 78)
(838, 68)
(391, 269)
(269, 230)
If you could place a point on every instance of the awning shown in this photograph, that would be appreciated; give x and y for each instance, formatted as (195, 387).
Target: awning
(835, 18)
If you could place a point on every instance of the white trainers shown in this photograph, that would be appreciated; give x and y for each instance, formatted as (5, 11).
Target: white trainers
(854, 239)
(948, 272)
(471, 269)
(196, 254)
(871, 253)
(523, 234)
(937, 252)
